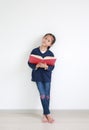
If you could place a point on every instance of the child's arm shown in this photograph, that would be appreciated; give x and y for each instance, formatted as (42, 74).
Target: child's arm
(33, 66)
(50, 68)
(45, 66)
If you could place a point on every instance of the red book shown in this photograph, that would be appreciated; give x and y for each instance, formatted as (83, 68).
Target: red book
(35, 59)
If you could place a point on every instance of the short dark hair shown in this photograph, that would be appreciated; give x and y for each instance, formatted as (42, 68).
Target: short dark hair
(54, 38)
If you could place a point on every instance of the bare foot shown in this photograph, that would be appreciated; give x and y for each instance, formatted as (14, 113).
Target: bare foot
(50, 119)
(44, 119)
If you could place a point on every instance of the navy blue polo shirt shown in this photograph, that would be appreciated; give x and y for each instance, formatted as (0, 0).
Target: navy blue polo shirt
(41, 74)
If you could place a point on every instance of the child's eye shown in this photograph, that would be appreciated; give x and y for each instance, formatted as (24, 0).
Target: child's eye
(47, 39)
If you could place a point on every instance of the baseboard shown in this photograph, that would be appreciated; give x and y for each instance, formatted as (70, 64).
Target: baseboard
(40, 110)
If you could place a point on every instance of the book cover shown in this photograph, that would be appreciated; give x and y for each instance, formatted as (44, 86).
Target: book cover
(35, 59)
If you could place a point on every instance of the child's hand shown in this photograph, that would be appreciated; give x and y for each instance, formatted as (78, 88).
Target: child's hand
(42, 65)
(38, 65)
(45, 66)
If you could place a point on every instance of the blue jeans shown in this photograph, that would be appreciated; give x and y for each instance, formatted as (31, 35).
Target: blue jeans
(44, 91)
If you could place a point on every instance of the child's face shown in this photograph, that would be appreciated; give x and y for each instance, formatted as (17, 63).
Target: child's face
(47, 41)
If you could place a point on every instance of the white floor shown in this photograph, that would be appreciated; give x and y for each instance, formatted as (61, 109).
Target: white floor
(31, 120)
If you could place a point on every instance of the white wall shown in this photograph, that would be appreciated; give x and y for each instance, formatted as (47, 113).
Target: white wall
(22, 24)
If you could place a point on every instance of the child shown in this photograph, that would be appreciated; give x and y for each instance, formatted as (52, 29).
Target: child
(41, 74)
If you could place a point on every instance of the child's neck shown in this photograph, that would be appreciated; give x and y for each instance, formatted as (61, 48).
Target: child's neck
(43, 48)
